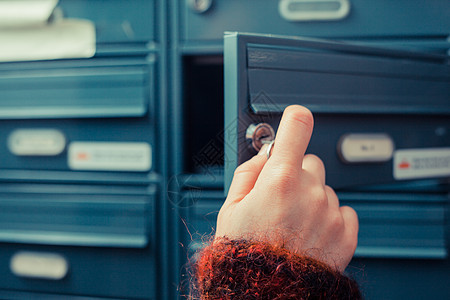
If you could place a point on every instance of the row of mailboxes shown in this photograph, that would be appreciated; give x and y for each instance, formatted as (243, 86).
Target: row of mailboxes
(85, 168)
(205, 21)
(80, 184)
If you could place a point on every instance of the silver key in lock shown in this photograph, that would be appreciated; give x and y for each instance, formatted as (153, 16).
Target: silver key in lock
(259, 134)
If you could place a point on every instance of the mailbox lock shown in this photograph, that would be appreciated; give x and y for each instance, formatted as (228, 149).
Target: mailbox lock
(200, 6)
(259, 134)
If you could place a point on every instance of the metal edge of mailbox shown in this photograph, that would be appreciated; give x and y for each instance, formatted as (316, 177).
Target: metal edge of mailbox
(231, 79)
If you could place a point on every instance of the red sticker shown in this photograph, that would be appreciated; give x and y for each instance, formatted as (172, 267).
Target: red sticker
(404, 165)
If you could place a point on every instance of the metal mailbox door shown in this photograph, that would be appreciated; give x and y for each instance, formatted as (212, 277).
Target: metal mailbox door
(381, 115)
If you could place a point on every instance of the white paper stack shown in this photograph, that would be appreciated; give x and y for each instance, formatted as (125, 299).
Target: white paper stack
(26, 33)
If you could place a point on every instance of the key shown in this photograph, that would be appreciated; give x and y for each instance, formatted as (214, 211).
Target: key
(260, 134)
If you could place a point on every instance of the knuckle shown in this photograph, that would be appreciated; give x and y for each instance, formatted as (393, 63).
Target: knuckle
(319, 198)
(329, 190)
(351, 217)
(220, 215)
(315, 159)
(350, 243)
(223, 212)
(336, 221)
(353, 243)
(242, 168)
(284, 181)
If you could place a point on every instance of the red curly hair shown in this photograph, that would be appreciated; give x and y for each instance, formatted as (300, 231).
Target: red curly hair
(242, 269)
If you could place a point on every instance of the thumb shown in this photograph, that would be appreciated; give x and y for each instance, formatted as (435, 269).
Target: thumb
(245, 176)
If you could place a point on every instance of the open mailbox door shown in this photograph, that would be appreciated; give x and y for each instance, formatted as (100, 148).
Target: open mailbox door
(381, 115)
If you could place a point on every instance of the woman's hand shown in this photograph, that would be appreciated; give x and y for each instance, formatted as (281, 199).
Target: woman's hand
(284, 200)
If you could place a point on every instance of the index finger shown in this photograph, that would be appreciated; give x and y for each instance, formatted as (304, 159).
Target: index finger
(293, 135)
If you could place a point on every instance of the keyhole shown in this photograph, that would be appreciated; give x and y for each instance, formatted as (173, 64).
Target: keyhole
(259, 134)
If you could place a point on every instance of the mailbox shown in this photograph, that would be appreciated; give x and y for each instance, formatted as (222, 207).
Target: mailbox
(381, 115)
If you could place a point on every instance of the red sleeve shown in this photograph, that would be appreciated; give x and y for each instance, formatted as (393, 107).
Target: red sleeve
(241, 269)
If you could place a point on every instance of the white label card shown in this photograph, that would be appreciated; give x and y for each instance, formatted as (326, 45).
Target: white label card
(421, 163)
(110, 156)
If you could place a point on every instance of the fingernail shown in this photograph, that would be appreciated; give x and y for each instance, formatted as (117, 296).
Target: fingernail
(263, 149)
